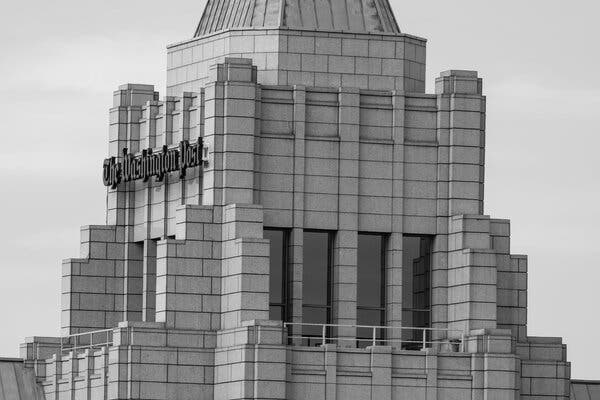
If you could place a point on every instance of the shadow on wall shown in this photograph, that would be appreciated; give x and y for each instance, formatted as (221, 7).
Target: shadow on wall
(585, 390)
(18, 382)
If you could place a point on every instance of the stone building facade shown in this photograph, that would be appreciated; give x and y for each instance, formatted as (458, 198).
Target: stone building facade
(328, 244)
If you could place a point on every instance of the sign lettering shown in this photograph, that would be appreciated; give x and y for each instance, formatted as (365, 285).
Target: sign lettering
(153, 164)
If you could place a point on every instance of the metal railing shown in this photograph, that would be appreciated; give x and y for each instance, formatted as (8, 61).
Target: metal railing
(404, 337)
(86, 340)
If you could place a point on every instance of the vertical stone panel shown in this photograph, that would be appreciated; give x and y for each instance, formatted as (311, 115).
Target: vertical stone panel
(393, 276)
(93, 285)
(245, 279)
(346, 241)
(472, 275)
(297, 235)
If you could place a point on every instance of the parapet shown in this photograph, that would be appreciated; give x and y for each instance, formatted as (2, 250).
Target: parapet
(459, 82)
(134, 94)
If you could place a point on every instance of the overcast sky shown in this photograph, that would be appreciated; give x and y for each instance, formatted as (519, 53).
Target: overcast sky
(60, 61)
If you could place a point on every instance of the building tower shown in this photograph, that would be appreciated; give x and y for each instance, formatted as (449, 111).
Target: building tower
(297, 219)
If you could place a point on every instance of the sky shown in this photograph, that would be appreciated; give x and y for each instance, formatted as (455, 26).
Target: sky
(61, 60)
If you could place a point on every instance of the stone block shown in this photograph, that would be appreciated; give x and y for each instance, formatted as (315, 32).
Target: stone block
(242, 44)
(368, 66)
(341, 65)
(355, 47)
(314, 63)
(393, 67)
(301, 44)
(382, 49)
(328, 46)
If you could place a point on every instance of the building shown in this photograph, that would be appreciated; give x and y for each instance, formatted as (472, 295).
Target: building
(297, 219)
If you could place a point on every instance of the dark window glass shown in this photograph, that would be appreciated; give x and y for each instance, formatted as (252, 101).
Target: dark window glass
(314, 315)
(316, 280)
(315, 285)
(277, 313)
(370, 270)
(371, 287)
(278, 282)
(416, 287)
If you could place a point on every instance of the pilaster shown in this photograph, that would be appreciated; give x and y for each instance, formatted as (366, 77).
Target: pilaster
(472, 275)
(188, 277)
(245, 268)
(297, 232)
(230, 132)
(345, 272)
(393, 275)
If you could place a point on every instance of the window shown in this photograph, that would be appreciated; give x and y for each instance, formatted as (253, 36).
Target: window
(278, 270)
(371, 285)
(316, 280)
(148, 252)
(416, 287)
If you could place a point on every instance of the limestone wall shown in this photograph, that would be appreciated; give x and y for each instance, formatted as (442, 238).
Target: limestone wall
(304, 57)
(187, 257)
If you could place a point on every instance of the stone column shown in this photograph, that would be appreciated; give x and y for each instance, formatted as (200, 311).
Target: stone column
(345, 272)
(130, 104)
(461, 137)
(472, 275)
(462, 107)
(124, 132)
(191, 128)
(297, 233)
(393, 275)
(230, 133)
(439, 257)
(188, 273)
(245, 268)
